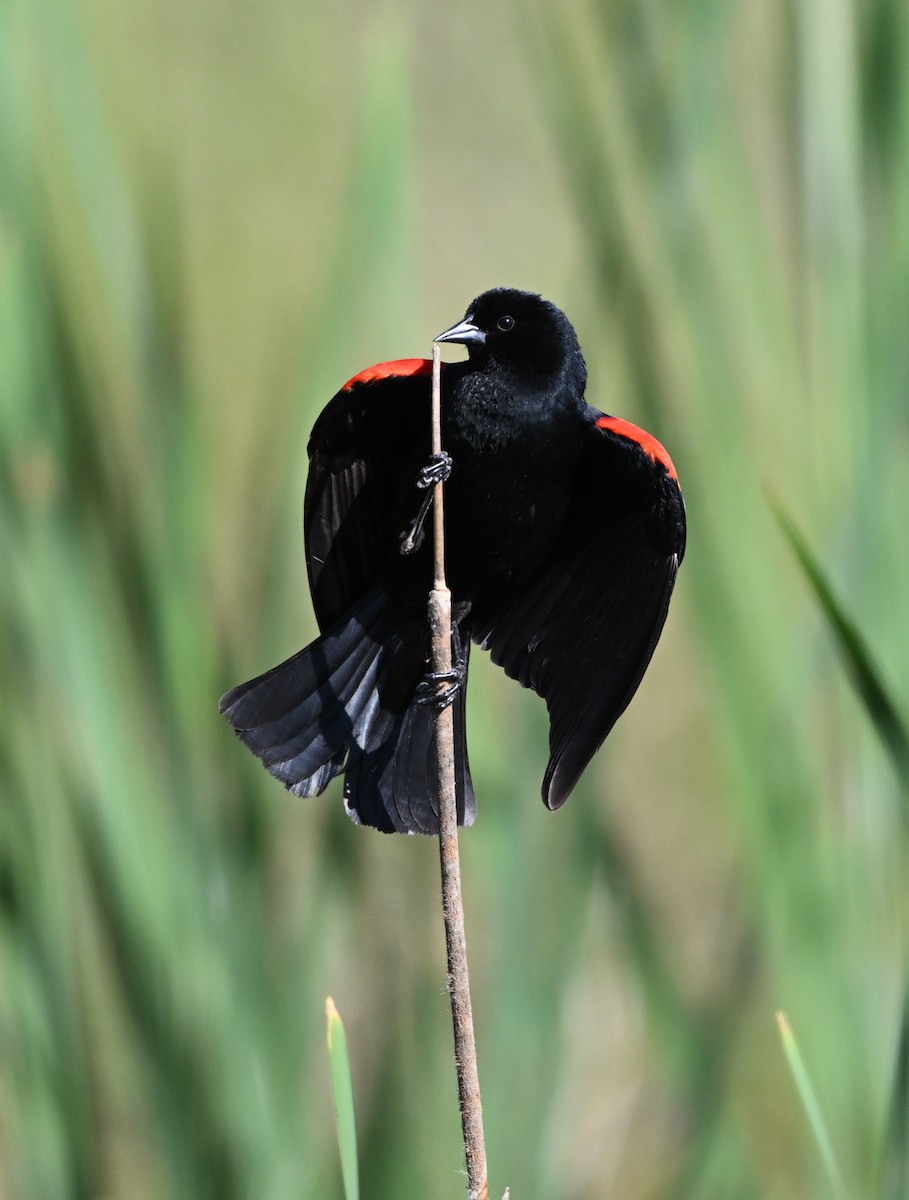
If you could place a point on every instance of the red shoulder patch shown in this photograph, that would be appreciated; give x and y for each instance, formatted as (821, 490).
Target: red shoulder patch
(648, 443)
(401, 368)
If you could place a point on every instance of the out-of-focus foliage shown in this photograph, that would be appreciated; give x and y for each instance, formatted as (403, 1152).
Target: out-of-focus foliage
(210, 216)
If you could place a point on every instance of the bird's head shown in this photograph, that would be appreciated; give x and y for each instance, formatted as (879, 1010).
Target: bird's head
(519, 332)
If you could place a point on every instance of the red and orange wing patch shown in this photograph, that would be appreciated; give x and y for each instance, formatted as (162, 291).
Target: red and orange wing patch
(400, 368)
(648, 443)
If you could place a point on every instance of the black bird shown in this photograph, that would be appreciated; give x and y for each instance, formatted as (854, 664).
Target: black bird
(564, 533)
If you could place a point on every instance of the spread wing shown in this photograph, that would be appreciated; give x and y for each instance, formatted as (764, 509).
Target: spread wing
(361, 452)
(582, 634)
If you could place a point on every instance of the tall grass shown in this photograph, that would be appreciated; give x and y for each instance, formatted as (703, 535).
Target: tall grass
(207, 221)
(742, 174)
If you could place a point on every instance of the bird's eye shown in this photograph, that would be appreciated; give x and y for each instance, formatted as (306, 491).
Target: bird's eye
(505, 323)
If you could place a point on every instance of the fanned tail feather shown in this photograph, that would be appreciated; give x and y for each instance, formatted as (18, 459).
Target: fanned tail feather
(347, 703)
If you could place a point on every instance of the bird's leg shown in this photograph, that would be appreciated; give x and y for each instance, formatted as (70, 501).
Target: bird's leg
(437, 470)
(439, 688)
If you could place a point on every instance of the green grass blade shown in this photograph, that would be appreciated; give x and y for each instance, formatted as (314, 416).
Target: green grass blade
(342, 1090)
(881, 709)
(893, 732)
(811, 1106)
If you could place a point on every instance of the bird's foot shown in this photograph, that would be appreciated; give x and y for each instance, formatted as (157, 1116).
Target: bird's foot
(437, 470)
(439, 688)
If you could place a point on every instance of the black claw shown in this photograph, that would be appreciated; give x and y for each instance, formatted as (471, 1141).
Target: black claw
(437, 470)
(432, 688)
(440, 688)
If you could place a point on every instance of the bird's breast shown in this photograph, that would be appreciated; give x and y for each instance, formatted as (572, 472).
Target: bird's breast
(505, 504)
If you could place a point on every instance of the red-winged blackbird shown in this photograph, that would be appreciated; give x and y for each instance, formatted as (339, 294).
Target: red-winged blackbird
(564, 532)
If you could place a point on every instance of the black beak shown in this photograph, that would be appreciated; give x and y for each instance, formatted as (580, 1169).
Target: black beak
(465, 333)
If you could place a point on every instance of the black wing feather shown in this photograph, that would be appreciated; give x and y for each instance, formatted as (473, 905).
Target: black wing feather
(366, 444)
(582, 633)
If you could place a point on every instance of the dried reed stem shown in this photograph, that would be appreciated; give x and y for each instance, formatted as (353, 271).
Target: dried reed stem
(452, 904)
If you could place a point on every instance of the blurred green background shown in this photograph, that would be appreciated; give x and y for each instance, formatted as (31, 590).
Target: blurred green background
(211, 215)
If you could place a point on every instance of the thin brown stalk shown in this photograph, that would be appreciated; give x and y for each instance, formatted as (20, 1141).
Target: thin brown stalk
(452, 904)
